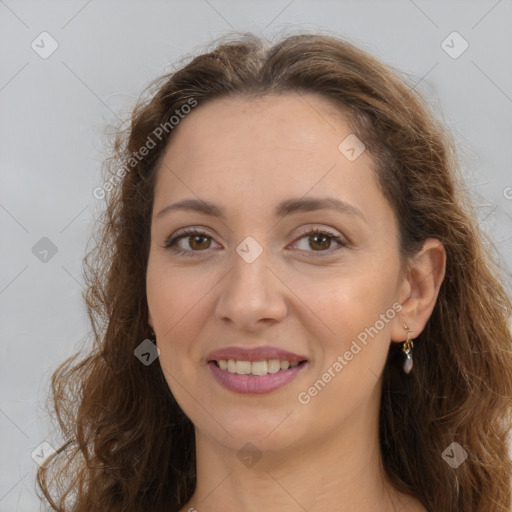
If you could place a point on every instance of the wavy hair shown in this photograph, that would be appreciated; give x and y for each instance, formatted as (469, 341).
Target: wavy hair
(127, 446)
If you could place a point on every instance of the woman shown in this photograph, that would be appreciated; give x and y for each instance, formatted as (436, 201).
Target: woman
(288, 226)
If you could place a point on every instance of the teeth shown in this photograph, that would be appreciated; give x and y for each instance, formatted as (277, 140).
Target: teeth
(273, 365)
(255, 367)
(243, 367)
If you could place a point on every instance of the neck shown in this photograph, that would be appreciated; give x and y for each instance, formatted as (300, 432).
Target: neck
(336, 472)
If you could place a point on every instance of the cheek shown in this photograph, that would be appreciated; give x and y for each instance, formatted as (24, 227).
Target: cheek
(354, 353)
(351, 312)
(171, 294)
(180, 304)
(348, 298)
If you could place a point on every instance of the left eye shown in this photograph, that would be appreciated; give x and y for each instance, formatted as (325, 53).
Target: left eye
(322, 238)
(199, 241)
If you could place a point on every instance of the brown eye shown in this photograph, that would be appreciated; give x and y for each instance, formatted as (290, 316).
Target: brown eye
(201, 240)
(198, 241)
(321, 240)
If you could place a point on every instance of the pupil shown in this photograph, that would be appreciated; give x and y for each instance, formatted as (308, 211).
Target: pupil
(199, 237)
(315, 237)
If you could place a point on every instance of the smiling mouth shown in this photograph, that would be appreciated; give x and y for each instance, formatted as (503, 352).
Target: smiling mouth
(256, 368)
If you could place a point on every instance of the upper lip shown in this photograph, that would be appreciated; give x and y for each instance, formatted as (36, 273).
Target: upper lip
(254, 354)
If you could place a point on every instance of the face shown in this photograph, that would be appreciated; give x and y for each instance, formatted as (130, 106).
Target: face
(251, 278)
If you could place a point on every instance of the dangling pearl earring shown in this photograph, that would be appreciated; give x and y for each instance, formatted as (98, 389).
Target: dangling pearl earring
(407, 350)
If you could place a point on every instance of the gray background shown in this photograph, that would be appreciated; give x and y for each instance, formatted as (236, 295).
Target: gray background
(56, 112)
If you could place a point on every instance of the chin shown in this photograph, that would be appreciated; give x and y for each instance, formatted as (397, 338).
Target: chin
(271, 436)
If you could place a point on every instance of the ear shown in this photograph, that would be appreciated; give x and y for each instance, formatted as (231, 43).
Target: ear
(150, 321)
(419, 289)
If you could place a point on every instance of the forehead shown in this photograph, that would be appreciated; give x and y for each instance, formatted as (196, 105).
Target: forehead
(306, 123)
(244, 150)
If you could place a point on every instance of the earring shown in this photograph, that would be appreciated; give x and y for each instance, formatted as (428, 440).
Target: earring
(407, 350)
(153, 337)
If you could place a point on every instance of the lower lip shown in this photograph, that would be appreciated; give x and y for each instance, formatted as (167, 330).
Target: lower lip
(254, 384)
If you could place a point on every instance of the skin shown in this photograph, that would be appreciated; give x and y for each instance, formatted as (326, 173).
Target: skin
(247, 155)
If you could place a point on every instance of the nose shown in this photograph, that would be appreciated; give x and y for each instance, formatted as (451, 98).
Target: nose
(251, 295)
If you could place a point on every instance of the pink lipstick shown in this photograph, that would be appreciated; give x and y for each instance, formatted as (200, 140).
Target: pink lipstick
(255, 371)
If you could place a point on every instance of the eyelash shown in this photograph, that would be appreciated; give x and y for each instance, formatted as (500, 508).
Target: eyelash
(194, 232)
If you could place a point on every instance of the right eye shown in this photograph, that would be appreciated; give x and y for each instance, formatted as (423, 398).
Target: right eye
(196, 238)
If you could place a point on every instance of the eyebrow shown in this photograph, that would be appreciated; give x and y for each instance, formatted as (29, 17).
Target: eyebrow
(283, 209)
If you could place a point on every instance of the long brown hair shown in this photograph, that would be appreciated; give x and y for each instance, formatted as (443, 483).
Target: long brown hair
(127, 445)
